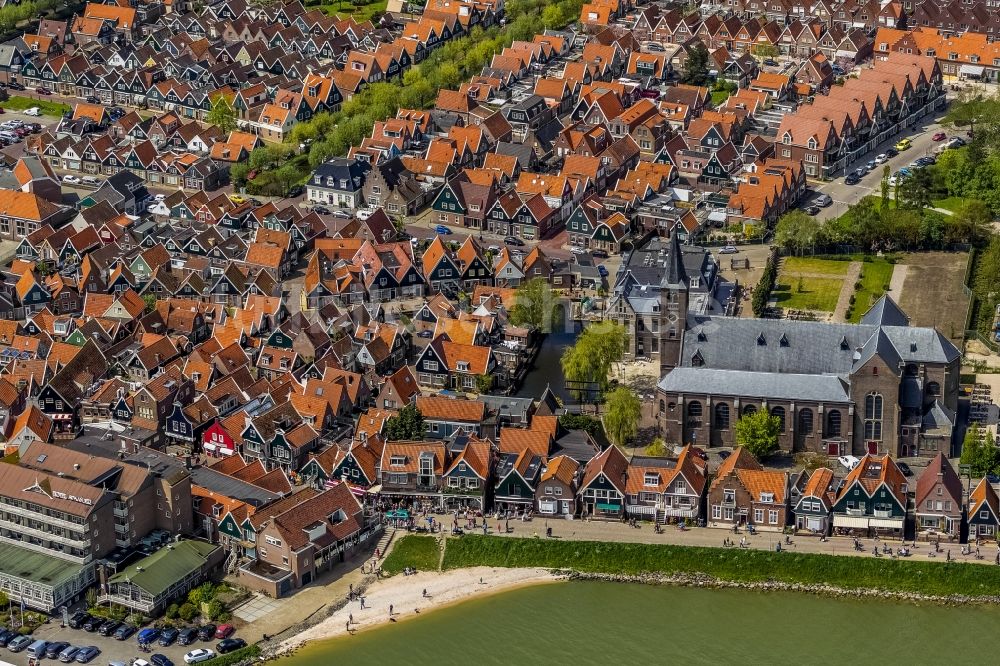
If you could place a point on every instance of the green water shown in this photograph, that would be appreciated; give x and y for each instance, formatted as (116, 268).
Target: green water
(613, 625)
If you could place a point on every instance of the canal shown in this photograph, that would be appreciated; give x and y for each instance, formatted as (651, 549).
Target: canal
(547, 371)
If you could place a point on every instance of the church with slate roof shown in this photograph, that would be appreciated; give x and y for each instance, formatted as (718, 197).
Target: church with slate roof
(880, 386)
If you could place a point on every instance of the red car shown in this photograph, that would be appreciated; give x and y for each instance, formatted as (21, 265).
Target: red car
(43, 91)
(940, 136)
(224, 631)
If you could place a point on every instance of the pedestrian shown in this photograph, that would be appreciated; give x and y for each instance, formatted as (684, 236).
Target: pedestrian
(348, 627)
(362, 603)
(949, 555)
(350, 619)
(424, 594)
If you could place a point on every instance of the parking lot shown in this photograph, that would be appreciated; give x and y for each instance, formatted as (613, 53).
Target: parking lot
(111, 649)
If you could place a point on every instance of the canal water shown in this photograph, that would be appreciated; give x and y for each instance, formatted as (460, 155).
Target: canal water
(547, 371)
(581, 623)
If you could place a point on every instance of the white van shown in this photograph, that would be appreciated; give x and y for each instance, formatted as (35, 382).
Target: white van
(33, 111)
(37, 649)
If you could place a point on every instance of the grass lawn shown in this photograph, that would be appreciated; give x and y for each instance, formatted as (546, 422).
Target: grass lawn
(361, 12)
(418, 552)
(807, 293)
(15, 103)
(949, 203)
(719, 96)
(793, 265)
(875, 277)
(932, 578)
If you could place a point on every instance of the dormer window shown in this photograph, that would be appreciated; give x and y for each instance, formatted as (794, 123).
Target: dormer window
(767, 498)
(651, 479)
(397, 461)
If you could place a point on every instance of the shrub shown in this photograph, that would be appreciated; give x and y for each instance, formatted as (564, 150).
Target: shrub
(172, 610)
(215, 609)
(188, 611)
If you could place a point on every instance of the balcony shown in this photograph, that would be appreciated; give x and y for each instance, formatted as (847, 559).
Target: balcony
(855, 512)
(882, 513)
(43, 534)
(729, 502)
(121, 513)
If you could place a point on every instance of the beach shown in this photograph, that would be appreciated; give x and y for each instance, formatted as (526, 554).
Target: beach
(406, 595)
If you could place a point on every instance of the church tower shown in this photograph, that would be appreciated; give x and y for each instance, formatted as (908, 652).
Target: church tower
(673, 305)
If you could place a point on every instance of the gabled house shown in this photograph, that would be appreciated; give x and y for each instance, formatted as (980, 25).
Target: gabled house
(938, 500)
(604, 486)
(873, 498)
(984, 511)
(812, 509)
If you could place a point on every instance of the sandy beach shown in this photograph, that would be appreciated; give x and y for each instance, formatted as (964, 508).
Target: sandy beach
(406, 594)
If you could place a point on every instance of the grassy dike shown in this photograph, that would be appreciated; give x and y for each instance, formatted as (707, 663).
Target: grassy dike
(418, 552)
(733, 565)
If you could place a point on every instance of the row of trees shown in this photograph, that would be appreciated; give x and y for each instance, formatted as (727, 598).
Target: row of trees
(11, 14)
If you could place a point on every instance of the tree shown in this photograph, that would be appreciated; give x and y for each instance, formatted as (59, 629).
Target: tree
(407, 424)
(915, 190)
(621, 417)
(696, 69)
(150, 301)
(484, 383)
(765, 50)
(187, 611)
(589, 361)
(531, 301)
(657, 448)
(797, 231)
(884, 186)
(222, 114)
(970, 222)
(981, 455)
(758, 433)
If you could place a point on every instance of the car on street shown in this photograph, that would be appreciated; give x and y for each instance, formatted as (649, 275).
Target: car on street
(811, 210)
(895, 180)
(91, 180)
(862, 171)
(43, 91)
(599, 254)
(187, 636)
(199, 655)
(824, 200)
(849, 462)
(904, 468)
(725, 454)
(881, 158)
(14, 85)
(124, 632)
(891, 152)
(33, 111)
(903, 144)
(168, 636)
(71, 179)
(602, 270)
(322, 210)
(295, 191)
(577, 250)
(93, 100)
(770, 62)
(852, 178)
(206, 632)
(68, 653)
(53, 649)
(513, 240)
(344, 215)
(870, 166)
(939, 136)
(364, 213)
(441, 229)
(160, 660)
(729, 249)
(19, 643)
(229, 645)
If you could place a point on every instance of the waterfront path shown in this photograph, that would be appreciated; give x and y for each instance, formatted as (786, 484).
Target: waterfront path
(583, 530)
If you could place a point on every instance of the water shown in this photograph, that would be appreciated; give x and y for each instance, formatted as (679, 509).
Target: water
(582, 623)
(547, 371)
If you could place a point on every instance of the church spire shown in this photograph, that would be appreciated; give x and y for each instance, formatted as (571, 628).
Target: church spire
(674, 275)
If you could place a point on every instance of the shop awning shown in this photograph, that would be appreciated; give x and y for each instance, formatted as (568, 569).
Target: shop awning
(641, 509)
(609, 507)
(895, 524)
(972, 70)
(850, 521)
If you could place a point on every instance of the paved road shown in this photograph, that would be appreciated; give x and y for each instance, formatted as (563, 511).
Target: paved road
(843, 194)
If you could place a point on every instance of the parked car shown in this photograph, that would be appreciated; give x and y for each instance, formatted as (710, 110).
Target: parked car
(770, 62)
(68, 653)
(71, 179)
(20, 643)
(824, 200)
(87, 654)
(939, 136)
(891, 152)
(43, 91)
(729, 249)
(33, 111)
(124, 632)
(224, 631)
(725, 454)
(199, 655)
(903, 144)
(148, 635)
(811, 210)
(870, 166)
(849, 462)
(76, 622)
(53, 649)
(206, 631)
(364, 213)
(92, 624)
(14, 85)
(168, 636)
(322, 210)
(91, 180)
(93, 100)
(187, 636)
(230, 644)
(109, 627)
(441, 229)
(852, 179)
(160, 660)
(881, 158)
(599, 254)
(513, 240)
(904, 468)
(295, 191)
(6, 636)
(602, 270)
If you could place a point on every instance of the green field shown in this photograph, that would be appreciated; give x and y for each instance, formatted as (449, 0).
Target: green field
(16, 103)
(807, 293)
(930, 578)
(949, 203)
(811, 265)
(875, 277)
(419, 552)
(360, 11)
